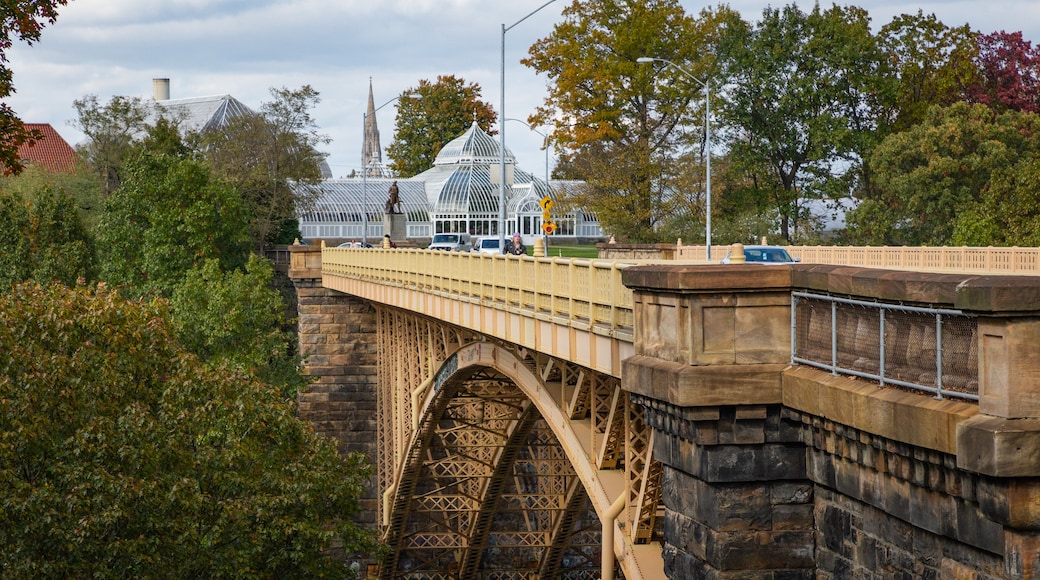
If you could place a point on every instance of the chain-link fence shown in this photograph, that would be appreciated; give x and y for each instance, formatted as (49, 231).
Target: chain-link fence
(928, 349)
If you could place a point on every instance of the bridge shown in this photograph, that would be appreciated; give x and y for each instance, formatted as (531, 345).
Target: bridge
(559, 418)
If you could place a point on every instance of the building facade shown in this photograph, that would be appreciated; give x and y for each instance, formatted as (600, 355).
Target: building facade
(460, 193)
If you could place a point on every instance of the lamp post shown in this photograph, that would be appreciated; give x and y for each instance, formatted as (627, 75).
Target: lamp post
(707, 144)
(502, 133)
(545, 143)
(364, 165)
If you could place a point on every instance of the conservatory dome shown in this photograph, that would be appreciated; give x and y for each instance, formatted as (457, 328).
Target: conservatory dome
(473, 147)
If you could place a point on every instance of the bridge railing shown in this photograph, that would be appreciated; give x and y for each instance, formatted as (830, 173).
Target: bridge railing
(990, 260)
(582, 292)
(934, 350)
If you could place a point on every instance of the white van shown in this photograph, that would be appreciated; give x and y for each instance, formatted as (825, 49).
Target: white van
(455, 242)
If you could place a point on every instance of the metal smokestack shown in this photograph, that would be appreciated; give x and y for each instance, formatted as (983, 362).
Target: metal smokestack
(161, 89)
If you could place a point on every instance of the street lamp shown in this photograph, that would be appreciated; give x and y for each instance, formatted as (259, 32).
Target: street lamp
(545, 142)
(502, 133)
(707, 144)
(364, 165)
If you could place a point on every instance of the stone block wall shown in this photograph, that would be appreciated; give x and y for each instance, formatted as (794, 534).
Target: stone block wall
(338, 341)
(737, 501)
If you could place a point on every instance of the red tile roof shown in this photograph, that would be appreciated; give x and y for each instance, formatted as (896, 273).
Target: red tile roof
(51, 152)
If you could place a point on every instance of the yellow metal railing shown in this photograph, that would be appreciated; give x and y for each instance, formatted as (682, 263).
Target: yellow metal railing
(990, 260)
(582, 292)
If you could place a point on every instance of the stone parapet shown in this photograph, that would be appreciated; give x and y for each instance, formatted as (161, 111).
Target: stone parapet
(894, 479)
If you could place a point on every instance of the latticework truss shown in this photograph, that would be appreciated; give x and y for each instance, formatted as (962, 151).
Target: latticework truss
(475, 482)
(486, 490)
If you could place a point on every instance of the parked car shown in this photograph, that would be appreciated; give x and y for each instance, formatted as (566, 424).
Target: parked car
(455, 242)
(354, 245)
(487, 246)
(764, 255)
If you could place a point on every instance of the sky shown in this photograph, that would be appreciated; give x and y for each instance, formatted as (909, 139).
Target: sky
(246, 47)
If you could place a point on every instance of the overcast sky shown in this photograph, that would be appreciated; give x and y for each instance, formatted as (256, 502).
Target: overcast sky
(245, 47)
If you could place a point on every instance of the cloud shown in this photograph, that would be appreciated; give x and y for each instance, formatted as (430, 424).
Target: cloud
(245, 47)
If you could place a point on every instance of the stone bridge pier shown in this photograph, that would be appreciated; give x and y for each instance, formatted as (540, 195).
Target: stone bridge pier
(777, 470)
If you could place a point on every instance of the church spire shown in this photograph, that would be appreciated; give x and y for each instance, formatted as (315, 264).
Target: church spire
(372, 156)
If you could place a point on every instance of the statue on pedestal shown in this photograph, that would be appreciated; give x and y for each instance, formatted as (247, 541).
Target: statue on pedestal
(393, 204)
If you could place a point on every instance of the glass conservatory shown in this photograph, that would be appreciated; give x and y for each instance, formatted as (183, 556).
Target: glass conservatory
(460, 193)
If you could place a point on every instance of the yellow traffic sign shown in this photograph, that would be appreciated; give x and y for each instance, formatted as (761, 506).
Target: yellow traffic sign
(548, 227)
(546, 216)
(546, 203)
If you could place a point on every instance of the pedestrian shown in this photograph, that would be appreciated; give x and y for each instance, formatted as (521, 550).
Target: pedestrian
(516, 246)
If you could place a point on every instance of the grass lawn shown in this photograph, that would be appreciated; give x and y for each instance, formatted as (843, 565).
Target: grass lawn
(570, 250)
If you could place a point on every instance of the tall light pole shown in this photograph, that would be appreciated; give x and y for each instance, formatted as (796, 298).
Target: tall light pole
(545, 143)
(707, 144)
(364, 164)
(502, 133)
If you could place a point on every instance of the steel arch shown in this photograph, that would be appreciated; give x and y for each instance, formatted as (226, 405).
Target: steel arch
(493, 407)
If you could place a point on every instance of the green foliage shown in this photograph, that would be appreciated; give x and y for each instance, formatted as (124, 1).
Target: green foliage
(932, 61)
(802, 84)
(168, 215)
(966, 176)
(260, 154)
(43, 239)
(80, 184)
(239, 318)
(19, 20)
(112, 129)
(425, 125)
(121, 456)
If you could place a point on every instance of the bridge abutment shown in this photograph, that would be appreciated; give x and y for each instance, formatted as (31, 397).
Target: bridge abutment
(338, 340)
(779, 470)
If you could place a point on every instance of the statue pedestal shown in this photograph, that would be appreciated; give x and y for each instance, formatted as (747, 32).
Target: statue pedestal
(396, 224)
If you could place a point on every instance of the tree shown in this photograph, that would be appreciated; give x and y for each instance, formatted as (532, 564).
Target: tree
(618, 127)
(239, 318)
(800, 89)
(1009, 73)
(932, 61)
(80, 184)
(945, 179)
(112, 130)
(260, 154)
(169, 214)
(124, 456)
(424, 126)
(19, 20)
(43, 238)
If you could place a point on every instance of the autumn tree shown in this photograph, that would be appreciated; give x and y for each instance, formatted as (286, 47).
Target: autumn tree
(111, 129)
(260, 155)
(123, 456)
(1008, 73)
(425, 125)
(618, 125)
(21, 20)
(800, 88)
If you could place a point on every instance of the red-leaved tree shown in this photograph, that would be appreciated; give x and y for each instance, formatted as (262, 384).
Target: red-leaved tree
(1009, 68)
